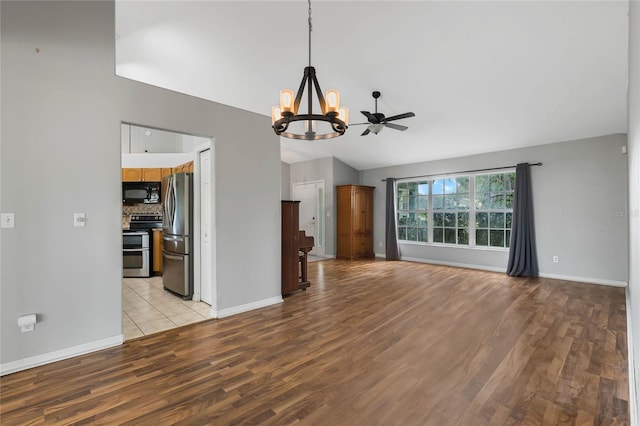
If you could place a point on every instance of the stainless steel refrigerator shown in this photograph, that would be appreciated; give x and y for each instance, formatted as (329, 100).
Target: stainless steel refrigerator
(177, 234)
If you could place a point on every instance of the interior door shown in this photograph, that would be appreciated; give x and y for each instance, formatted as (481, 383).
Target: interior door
(311, 197)
(205, 227)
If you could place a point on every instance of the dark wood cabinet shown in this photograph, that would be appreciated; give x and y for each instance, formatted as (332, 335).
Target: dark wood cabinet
(291, 248)
(355, 222)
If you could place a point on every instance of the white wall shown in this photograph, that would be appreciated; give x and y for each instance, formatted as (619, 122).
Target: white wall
(51, 101)
(580, 196)
(634, 195)
(285, 181)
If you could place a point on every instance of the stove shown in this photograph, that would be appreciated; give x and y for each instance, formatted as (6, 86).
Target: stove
(144, 222)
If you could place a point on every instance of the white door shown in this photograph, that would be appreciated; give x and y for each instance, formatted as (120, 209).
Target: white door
(311, 216)
(205, 227)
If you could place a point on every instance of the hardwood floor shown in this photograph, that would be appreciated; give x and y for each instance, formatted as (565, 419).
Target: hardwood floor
(369, 343)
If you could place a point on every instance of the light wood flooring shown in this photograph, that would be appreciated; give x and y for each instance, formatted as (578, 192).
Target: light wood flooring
(369, 343)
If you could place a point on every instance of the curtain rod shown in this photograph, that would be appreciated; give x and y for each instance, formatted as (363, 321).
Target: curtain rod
(465, 171)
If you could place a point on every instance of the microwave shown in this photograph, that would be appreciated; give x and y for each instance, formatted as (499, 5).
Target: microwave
(141, 192)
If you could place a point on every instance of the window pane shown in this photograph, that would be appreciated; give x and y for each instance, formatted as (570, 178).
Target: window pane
(507, 221)
(438, 202)
(423, 188)
(463, 185)
(509, 200)
(450, 219)
(497, 201)
(496, 220)
(482, 220)
(402, 233)
(402, 218)
(497, 182)
(413, 202)
(463, 202)
(449, 236)
(413, 188)
(510, 181)
(463, 236)
(423, 202)
(422, 235)
(497, 238)
(450, 202)
(412, 234)
(412, 220)
(438, 235)
(438, 186)
(482, 200)
(449, 186)
(482, 183)
(403, 203)
(482, 237)
(438, 219)
(422, 219)
(463, 219)
(507, 238)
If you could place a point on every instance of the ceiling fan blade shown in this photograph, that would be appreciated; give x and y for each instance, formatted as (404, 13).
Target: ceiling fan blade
(372, 118)
(358, 124)
(366, 132)
(399, 116)
(396, 126)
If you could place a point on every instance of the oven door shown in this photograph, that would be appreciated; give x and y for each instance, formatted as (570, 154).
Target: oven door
(135, 263)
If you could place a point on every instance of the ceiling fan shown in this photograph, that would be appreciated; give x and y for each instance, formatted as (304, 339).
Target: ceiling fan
(377, 120)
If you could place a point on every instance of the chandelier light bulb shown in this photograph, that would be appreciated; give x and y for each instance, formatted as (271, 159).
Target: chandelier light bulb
(286, 100)
(332, 98)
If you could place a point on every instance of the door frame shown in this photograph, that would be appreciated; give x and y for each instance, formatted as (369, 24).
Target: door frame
(197, 258)
(320, 214)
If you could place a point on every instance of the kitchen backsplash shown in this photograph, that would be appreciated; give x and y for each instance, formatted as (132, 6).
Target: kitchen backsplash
(127, 211)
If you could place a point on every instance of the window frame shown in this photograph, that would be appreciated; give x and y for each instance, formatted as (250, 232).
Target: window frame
(472, 244)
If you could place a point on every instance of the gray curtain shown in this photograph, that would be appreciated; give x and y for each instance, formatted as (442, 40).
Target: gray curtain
(523, 259)
(392, 251)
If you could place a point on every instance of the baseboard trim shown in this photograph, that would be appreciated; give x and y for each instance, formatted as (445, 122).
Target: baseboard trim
(584, 280)
(633, 402)
(454, 264)
(47, 358)
(227, 312)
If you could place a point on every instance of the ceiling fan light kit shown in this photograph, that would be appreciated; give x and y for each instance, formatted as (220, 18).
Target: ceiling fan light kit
(332, 113)
(377, 121)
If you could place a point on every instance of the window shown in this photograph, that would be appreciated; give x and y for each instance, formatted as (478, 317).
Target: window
(472, 210)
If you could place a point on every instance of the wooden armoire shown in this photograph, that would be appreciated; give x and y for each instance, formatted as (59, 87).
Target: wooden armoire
(355, 222)
(291, 248)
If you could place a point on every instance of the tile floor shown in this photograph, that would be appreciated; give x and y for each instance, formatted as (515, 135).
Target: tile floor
(148, 308)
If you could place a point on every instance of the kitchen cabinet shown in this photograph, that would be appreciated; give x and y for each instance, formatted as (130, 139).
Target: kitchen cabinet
(355, 222)
(186, 167)
(157, 252)
(166, 171)
(153, 174)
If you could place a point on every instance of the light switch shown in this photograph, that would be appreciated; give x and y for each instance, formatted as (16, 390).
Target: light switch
(79, 219)
(8, 220)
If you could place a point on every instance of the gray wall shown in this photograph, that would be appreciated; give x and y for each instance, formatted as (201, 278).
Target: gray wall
(333, 172)
(634, 192)
(285, 181)
(51, 101)
(580, 196)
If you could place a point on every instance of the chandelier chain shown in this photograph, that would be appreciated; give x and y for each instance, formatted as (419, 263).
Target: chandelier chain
(310, 29)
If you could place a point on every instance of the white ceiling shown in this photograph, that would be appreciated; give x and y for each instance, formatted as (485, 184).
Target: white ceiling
(480, 76)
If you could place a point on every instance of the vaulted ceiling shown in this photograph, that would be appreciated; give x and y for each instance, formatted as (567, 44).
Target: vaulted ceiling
(480, 76)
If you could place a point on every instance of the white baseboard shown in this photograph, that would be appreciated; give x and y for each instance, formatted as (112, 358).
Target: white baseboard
(381, 255)
(584, 280)
(35, 361)
(457, 265)
(633, 401)
(246, 307)
(500, 269)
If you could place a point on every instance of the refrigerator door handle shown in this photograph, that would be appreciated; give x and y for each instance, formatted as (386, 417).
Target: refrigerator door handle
(172, 257)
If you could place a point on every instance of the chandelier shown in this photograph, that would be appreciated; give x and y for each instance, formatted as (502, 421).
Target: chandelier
(333, 118)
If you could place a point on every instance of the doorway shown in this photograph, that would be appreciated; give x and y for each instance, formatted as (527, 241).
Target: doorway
(311, 216)
(147, 307)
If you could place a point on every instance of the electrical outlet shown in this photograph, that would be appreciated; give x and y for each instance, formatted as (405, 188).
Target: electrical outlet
(79, 219)
(555, 259)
